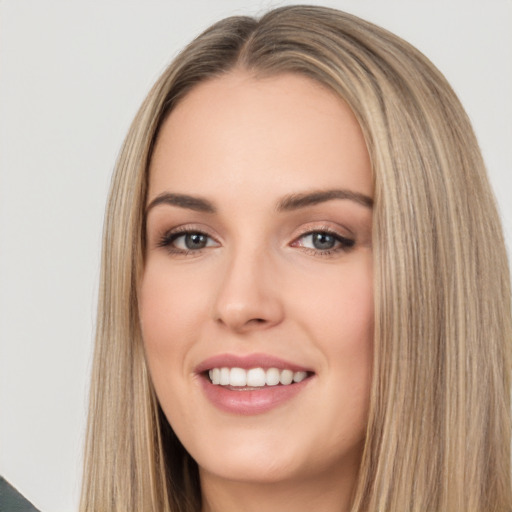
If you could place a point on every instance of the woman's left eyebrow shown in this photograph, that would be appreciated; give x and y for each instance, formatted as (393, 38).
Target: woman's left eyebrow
(301, 200)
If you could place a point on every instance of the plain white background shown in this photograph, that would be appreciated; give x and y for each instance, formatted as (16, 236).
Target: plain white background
(72, 74)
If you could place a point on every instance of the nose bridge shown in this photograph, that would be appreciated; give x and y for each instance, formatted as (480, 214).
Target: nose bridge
(247, 295)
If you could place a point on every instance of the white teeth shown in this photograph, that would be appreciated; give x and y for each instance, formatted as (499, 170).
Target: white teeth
(254, 377)
(237, 377)
(286, 377)
(299, 376)
(224, 377)
(215, 376)
(273, 375)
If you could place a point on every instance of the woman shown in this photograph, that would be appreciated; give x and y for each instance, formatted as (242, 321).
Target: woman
(305, 300)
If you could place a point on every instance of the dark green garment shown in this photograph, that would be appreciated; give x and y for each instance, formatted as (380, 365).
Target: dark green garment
(11, 500)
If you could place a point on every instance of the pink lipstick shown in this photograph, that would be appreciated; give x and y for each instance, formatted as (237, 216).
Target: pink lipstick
(251, 384)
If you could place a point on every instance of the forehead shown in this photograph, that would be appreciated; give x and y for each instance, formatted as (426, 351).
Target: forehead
(238, 130)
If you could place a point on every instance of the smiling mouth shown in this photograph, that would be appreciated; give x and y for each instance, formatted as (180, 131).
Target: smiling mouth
(239, 379)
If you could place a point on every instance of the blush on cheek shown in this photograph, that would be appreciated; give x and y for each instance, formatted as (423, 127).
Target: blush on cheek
(154, 317)
(168, 311)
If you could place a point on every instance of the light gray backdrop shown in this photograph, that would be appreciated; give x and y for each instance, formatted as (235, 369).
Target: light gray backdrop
(72, 75)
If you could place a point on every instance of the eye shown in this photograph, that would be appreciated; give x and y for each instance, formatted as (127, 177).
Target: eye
(187, 241)
(324, 242)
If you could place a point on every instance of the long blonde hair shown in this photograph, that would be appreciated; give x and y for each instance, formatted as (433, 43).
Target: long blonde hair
(438, 435)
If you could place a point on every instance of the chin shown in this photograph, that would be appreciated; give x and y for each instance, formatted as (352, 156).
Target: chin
(274, 459)
(249, 469)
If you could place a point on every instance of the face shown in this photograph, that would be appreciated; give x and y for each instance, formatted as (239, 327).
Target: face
(256, 301)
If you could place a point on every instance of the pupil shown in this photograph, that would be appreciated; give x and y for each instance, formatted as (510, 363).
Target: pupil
(323, 241)
(195, 241)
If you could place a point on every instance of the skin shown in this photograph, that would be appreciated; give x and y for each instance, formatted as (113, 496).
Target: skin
(262, 285)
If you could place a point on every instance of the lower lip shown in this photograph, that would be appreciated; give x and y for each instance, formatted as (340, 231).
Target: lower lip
(248, 402)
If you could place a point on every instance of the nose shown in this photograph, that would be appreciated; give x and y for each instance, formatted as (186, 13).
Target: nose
(249, 297)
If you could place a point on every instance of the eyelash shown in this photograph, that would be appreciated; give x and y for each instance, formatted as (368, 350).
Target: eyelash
(168, 239)
(344, 244)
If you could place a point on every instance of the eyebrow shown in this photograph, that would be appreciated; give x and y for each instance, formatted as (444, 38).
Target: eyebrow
(197, 204)
(287, 203)
(296, 201)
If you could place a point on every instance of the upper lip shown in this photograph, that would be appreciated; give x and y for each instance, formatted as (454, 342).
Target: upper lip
(249, 361)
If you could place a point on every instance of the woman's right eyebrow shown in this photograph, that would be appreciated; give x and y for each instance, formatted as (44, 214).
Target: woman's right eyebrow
(197, 204)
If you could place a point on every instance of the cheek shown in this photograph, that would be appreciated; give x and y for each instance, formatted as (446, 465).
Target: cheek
(168, 312)
(355, 328)
(349, 349)
(168, 309)
(339, 310)
(340, 318)
(354, 321)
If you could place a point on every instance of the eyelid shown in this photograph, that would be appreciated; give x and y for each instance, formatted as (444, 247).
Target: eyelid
(337, 230)
(344, 243)
(166, 237)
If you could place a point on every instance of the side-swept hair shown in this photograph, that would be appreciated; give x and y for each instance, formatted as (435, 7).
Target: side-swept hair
(438, 435)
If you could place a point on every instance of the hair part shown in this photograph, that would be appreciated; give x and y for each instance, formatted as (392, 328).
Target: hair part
(438, 435)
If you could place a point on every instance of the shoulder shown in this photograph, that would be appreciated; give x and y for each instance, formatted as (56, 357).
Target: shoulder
(11, 500)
